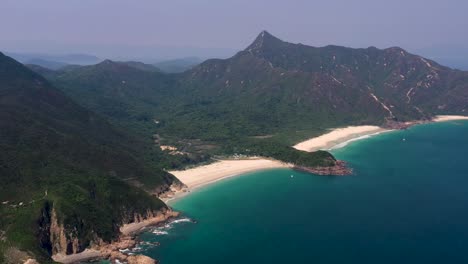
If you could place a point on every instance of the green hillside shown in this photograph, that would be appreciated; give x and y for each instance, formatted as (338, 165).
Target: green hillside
(178, 65)
(58, 157)
(271, 93)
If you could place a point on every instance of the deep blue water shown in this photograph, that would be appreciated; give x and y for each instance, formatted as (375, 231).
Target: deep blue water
(406, 203)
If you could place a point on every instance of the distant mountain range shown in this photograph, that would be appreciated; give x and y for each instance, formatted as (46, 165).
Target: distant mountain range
(275, 87)
(178, 65)
(56, 62)
(273, 93)
(47, 60)
(53, 65)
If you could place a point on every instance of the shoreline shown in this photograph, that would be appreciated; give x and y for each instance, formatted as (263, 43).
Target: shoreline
(201, 176)
(340, 137)
(204, 175)
(137, 227)
(345, 143)
(127, 240)
(86, 255)
(444, 118)
(337, 137)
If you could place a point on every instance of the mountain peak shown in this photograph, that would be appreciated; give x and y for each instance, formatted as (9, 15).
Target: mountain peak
(264, 34)
(264, 39)
(106, 62)
(109, 64)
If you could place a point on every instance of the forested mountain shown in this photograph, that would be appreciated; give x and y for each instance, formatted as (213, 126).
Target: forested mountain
(332, 83)
(60, 162)
(119, 91)
(178, 65)
(272, 88)
(141, 66)
(52, 65)
(80, 59)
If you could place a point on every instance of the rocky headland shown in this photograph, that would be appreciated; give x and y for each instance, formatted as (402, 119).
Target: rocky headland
(339, 169)
(114, 251)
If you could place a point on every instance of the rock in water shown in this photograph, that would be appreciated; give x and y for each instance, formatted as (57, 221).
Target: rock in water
(140, 259)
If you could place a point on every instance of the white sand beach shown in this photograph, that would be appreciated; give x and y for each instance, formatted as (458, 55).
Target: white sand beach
(206, 174)
(443, 118)
(337, 136)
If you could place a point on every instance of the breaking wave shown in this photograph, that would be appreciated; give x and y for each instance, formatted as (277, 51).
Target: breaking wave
(159, 232)
(163, 230)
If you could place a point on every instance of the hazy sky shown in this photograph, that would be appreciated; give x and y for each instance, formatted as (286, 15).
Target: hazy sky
(117, 28)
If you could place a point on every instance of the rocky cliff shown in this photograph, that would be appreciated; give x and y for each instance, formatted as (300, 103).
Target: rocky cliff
(62, 240)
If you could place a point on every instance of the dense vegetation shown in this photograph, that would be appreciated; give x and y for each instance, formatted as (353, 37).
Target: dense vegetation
(178, 65)
(58, 155)
(55, 154)
(151, 104)
(273, 91)
(272, 148)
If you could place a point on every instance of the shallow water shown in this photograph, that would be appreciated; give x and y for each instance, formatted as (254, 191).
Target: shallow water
(406, 203)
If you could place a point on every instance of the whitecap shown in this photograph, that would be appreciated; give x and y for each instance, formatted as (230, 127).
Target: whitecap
(181, 220)
(159, 232)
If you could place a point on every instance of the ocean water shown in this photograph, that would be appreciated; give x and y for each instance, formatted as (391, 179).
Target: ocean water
(406, 203)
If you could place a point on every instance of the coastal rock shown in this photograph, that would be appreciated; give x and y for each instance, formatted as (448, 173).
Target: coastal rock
(150, 219)
(65, 248)
(140, 259)
(173, 189)
(117, 255)
(340, 168)
(58, 239)
(31, 261)
(136, 259)
(112, 250)
(53, 235)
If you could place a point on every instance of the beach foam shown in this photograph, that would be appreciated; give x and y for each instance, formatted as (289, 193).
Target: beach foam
(159, 232)
(182, 220)
(345, 143)
(164, 230)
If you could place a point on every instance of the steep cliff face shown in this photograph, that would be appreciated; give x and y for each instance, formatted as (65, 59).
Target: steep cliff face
(54, 237)
(62, 241)
(59, 238)
(44, 224)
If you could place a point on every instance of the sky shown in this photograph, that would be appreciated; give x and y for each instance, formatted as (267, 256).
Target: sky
(218, 28)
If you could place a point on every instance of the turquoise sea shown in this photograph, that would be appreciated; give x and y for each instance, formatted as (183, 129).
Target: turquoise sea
(406, 203)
